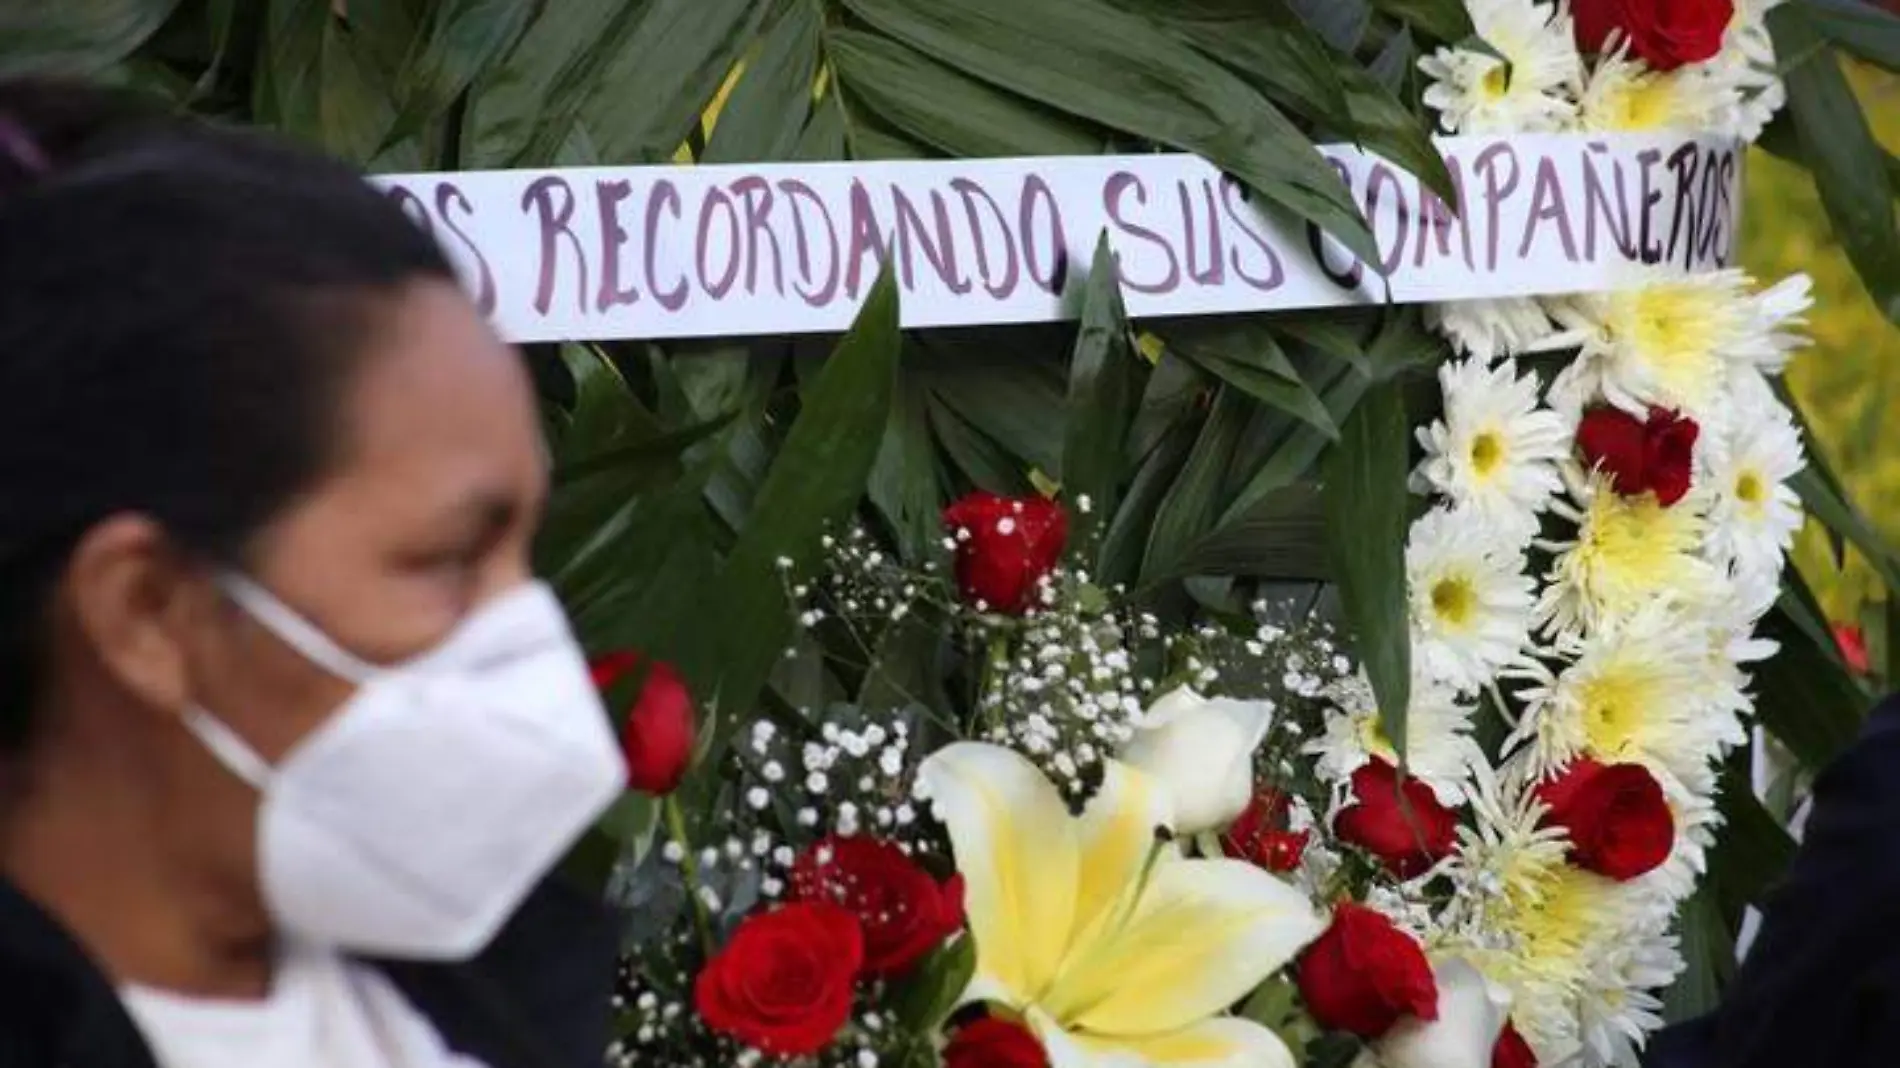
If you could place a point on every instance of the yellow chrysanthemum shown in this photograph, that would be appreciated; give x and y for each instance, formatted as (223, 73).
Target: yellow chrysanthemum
(1628, 553)
(1529, 920)
(1641, 690)
(1625, 95)
(1674, 342)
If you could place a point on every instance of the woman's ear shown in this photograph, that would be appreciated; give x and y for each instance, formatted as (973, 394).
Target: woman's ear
(132, 597)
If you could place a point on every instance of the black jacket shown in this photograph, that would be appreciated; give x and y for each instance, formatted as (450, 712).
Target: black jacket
(1821, 986)
(537, 997)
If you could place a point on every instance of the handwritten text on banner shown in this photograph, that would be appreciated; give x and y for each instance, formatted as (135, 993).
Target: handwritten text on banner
(658, 252)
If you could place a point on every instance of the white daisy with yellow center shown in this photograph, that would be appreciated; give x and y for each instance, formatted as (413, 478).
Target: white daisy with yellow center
(1754, 513)
(1112, 947)
(1526, 87)
(1472, 601)
(1439, 750)
(1628, 553)
(1496, 449)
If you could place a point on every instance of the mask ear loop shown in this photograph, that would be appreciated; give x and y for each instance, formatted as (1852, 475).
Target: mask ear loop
(296, 631)
(232, 751)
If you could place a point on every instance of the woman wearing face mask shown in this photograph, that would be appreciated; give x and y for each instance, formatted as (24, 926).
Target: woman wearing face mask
(289, 738)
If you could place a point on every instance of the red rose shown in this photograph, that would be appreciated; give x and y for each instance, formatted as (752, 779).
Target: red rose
(1403, 825)
(1664, 33)
(904, 912)
(1005, 546)
(783, 984)
(1655, 455)
(1259, 835)
(1363, 974)
(1853, 644)
(1611, 441)
(657, 734)
(1512, 1051)
(1618, 820)
(994, 1043)
(1669, 454)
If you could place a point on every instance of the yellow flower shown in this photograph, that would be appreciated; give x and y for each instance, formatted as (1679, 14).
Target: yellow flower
(1629, 552)
(1643, 690)
(1115, 950)
(1624, 94)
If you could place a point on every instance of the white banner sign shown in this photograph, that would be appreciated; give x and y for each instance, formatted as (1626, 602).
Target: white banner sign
(660, 252)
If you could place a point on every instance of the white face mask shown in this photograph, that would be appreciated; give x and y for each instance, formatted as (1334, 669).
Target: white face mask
(415, 820)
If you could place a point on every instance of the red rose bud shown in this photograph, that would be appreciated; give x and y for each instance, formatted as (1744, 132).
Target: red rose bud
(1405, 826)
(1259, 835)
(904, 912)
(994, 1043)
(1512, 1051)
(1364, 974)
(1853, 645)
(784, 983)
(1669, 454)
(1663, 33)
(1619, 822)
(1005, 547)
(1611, 441)
(657, 734)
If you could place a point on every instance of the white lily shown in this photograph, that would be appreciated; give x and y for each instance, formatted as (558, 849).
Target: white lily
(1202, 751)
(1117, 952)
(1472, 1011)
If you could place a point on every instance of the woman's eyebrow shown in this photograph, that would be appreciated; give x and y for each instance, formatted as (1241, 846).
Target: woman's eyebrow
(488, 511)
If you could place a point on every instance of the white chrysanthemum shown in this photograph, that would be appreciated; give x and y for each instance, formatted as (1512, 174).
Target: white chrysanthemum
(1641, 690)
(1674, 342)
(1754, 513)
(1696, 821)
(1529, 90)
(1623, 94)
(1619, 1007)
(1472, 599)
(1780, 313)
(1732, 639)
(1628, 553)
(1439, 750)
(1580, 954)
(1504, 844)
(1747, 64)
(1490, 329)
(1543, 925)
(1495, 452)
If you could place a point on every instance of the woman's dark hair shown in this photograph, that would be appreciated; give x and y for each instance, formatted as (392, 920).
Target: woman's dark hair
(180, 306)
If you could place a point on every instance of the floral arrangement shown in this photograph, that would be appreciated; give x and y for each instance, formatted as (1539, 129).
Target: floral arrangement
(1086, 838)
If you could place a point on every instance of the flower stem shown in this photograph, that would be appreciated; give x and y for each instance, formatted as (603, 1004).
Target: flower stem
(995, 665)
(689, 866)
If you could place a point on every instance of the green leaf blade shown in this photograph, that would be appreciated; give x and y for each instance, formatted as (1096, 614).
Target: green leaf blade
(767, 110)
(1366, 504)
(1120, 71)
(815, 483)
(1106, 380)
(460, 39)
(1838, 146)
